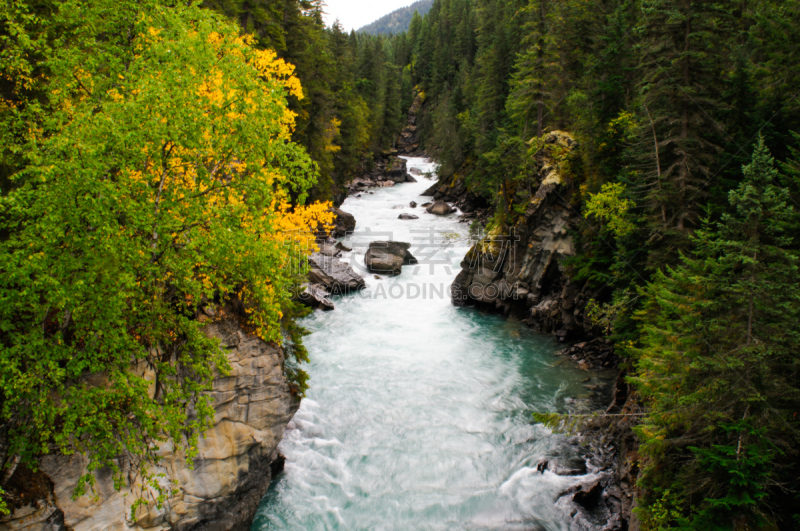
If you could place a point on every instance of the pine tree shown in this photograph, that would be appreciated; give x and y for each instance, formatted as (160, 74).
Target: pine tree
(718, 366)
(681, 47)
(535, 71)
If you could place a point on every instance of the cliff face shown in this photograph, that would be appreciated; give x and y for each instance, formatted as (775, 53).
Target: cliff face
(520, 270)
(230, 475)
(408, 141)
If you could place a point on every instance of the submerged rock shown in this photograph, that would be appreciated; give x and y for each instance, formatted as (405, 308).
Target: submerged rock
(407, 216)
(388, 257)
(597, 354)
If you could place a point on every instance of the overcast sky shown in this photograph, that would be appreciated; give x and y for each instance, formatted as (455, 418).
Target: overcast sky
(353, 14)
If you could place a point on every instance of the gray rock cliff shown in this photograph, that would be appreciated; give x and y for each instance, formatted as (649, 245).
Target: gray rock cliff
(520, 269)
(230, 475)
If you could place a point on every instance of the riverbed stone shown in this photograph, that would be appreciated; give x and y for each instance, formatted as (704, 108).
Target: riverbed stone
(333, 275)
(440, 208)
(388, 257)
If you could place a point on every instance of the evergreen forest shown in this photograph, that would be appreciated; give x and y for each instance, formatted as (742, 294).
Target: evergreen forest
(156, 154)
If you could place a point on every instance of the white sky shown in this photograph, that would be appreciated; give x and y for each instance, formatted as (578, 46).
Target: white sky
(353, 14)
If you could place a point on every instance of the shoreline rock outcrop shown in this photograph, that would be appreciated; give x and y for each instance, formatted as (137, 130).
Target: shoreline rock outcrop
(407, 141)
(344, 223)
(519, 270)
(230, 475)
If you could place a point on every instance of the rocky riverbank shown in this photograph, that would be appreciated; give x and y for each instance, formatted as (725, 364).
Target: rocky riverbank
(221, 491)
(519, 270)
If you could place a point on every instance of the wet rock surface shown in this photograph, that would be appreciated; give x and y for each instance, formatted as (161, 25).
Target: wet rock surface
(596, 354)
(440, 208)
(331, 274)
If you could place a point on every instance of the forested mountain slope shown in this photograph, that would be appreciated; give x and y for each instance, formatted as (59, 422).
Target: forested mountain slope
(684, 176)
(686, 184)
(398, 20)
(354, 91)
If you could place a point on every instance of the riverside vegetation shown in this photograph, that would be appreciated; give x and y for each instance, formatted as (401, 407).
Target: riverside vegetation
(154, 159)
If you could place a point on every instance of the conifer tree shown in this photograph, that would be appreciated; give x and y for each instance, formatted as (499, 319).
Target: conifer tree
(535, 71)
(718, 367)
(681, 47)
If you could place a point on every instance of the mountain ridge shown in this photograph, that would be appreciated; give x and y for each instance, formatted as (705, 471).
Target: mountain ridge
(398, 20)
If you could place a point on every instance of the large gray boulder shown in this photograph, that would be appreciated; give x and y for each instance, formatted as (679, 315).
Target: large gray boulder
(388, 257)
(343, 224)
(333, 275)
(396, 170)
(440, 208)
(315, 297)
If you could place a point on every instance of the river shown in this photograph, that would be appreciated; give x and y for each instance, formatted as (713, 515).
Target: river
(419, 414)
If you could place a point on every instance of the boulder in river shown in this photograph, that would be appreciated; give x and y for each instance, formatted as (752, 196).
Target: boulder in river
(333, 274)
(407, 216)
(344, 223)
(440, 208)
(388, 257)
(396, 170)
(413, 204)
(315, 297)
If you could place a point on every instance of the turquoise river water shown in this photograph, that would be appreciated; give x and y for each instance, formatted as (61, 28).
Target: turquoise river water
(419, 414)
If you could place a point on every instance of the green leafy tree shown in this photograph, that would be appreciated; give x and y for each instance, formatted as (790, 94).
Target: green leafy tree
(157, 179)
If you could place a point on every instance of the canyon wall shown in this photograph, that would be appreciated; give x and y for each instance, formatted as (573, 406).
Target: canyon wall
(231, 473)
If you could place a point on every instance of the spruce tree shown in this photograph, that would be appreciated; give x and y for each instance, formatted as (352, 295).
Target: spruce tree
(682, 47)
(718, 367)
